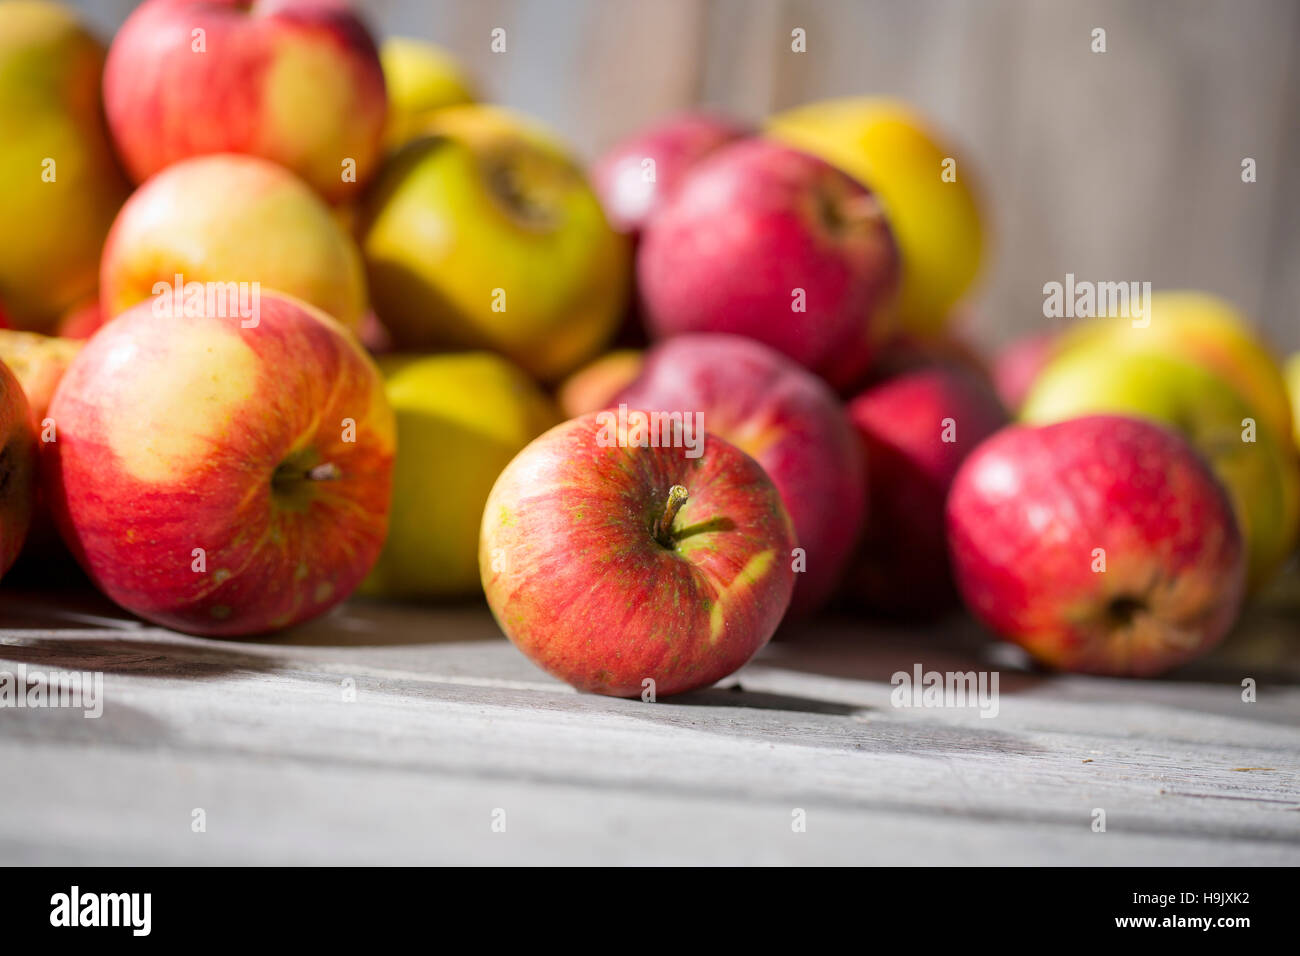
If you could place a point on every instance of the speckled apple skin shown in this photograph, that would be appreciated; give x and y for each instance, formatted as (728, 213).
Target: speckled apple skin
(578, 582)
(1030, 505)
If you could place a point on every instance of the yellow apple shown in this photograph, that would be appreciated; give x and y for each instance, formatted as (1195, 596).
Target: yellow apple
(485, 234)
(421, 80)
(60, 185)
(930, 203)
(1293, 386)
(460, 420)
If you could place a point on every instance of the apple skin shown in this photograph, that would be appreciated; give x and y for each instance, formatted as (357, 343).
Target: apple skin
(80, 322)
(451, 452)
(894, 151)
(578, 581)
(1017, 366)
(595, 385)
(51, 231)
(177, 433)
(488, 201)
(901, 568)
(752, 223)
(297, 82)
(232, 218)
(18, 463)
(1262, 477)
(421, 79)
(1293, 388)
(787, 420)
(1030, 505)
(675, 145)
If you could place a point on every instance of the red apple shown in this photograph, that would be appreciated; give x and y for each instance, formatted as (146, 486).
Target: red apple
(640, 173)
(611, 565)
(917, 429)
(764, 241)
(1016, 366)
(81, 322)
(1101, 544)
(788, 420)
(595, 385)
(295, 81)
(220, 479)
(17, 468)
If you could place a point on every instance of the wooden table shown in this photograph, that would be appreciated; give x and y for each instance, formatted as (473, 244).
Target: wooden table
(452, 733)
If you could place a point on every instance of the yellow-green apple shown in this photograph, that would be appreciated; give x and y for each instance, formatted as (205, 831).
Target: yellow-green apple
(17, 468)
(594, 386)
(59, 182)
(927, 190)
(637, 175)
(1293, 386)
(1249, 457)
(484, 234)
(231, 219)
(421, 79)
(765, 241)
(461, 418)
(917, 428)
(220, 479)
(1102, 545)
(624, 567)
(1017, 366)
(298, 82)
(787, 420)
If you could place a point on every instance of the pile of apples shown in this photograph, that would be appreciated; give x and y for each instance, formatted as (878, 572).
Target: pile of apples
(436, 391)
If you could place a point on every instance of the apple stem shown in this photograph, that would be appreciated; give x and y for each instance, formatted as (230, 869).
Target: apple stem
(325, 472)
(677, 496)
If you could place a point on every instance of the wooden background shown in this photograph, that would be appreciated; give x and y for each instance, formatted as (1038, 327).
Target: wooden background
(1117, 166)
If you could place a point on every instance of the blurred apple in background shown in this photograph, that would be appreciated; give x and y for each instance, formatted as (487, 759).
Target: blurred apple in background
(294, 81)
(485, 235)
(38, 362)
(232, 218)
(611, 566)
(787, 420)
(59, 182)
(81, 321)
(917, 429)
(767, 242)
(460, 420)
(594, 386)
(892, 150)
(1017, 366)
(1293, 386)
(421, 79)
(1101, 545)
(1260, 475)
(640, 173)
(17, 468)
(223, 480)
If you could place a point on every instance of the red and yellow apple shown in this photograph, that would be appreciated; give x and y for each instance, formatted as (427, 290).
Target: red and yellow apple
(17, 468)
(232, 218)
(483, 234)
(38, 362)
(461, 418)
(621, 568)
(787, 420)
(1102, 545)
(421, 79)
(298, 82)
(59, 182)
(767, 242)
(595, 385)
(218, 479)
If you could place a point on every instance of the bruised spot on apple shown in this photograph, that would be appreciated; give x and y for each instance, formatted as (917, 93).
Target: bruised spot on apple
(1100, 544)
(610, 566)
(223, 480)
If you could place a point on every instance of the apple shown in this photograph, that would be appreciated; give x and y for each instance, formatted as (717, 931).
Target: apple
(218, 479)
(17, 468)
(421, 79)
(788, 421)
(637, 175)
(1293, 387)
(1101, 545)
(81, 321)
(1017, 366)
(231, 218)
(923, 183)
(460, 420)
(917, 428)
(595, 385)
(485, 235)
(1254, 463)
(59, 182)
(612, 565)
(764, 241)
(38, 363)
(298, 82)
